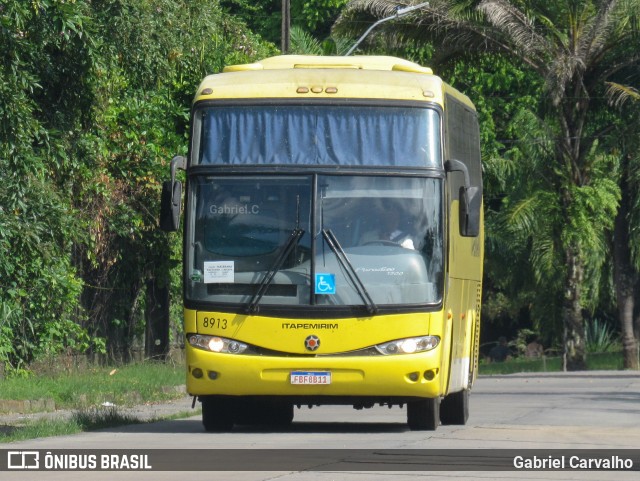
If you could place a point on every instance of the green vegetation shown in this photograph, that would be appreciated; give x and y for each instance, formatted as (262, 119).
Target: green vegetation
(562, 164)
(79, 389)
(94, 102)
(595, 362)
(39, 429)
(95, 397)
(600, 338)
(80, 421)
(94, 418)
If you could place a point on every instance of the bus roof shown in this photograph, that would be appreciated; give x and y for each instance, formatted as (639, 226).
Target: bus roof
(358, 62)
(323, 77)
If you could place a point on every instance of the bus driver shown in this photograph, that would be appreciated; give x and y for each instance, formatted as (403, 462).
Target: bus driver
(388, 229)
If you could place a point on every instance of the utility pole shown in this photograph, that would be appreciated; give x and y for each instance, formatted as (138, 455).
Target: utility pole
(285, 44)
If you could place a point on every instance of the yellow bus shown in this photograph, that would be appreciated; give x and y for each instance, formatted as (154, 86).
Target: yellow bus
(333, 241)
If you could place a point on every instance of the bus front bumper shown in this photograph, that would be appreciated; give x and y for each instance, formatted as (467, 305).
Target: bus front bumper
(394, 376)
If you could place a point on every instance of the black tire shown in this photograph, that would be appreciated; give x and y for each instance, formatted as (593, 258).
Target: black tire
(281, 414)
(255, 411)
(218, 414)
(423, 415)
(248, 412)
(455, 408)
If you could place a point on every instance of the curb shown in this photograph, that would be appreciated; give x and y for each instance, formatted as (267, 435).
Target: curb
(150, 411)
(11, 406)
(48, 405)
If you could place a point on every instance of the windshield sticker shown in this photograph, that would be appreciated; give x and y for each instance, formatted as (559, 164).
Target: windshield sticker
(219, 272)
(390, 271)
(241, 209)
(325, 284)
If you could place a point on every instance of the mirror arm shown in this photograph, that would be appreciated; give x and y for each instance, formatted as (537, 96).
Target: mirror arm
(457, 166)
(178, 162)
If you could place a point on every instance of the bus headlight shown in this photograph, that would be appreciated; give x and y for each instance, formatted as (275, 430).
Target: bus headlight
(217, 344)
(409, 345)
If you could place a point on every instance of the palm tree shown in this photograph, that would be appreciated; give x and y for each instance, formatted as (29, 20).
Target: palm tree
(574, 46)
(626, 261)
(302, 42)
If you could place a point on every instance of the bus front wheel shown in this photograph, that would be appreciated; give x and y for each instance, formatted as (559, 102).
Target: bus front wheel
(218, 414)
(455, 408)
(423, 415)
(264, 411)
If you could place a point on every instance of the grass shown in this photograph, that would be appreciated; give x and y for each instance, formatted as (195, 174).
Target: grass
(83, 420)
(124, 386)
(80, 421)
(41, 428)
(95, 418)
(595, 361)
(84, 391)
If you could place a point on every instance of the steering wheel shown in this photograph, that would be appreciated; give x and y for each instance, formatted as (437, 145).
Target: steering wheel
(381, 242)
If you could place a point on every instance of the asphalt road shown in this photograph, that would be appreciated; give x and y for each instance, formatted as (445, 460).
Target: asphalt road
(510, 416)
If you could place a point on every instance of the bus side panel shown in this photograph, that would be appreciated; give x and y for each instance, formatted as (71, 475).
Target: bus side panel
(465, 274)
(462, 318)
(475, 300)
(454, 303)
(475, 340)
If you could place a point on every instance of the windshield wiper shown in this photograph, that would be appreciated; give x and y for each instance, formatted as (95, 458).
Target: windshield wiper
(286, 249)
(341, 255)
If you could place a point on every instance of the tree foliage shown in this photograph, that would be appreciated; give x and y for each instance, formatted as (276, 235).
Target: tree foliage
(312, 18)
(94, 100)
(45, 57)
(573, 48)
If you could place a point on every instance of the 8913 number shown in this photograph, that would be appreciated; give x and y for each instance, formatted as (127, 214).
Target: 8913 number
(214, 322)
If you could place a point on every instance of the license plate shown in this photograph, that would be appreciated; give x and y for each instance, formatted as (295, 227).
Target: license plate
(310, 377)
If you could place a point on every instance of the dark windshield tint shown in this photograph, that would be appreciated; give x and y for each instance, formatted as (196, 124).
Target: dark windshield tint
(319, 135)
(389, 229)
(237, 230)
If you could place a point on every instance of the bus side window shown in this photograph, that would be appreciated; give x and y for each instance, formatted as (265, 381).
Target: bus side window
(463, 155)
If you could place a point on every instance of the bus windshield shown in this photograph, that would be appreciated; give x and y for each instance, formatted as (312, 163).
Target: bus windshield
(318, 135)
(270, 234)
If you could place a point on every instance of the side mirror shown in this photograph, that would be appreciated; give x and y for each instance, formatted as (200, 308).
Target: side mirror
(171, 198)
(470, 201)
(170, 206)
(470, 205)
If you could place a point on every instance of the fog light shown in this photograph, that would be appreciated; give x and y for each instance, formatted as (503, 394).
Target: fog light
(414, 376)
(197, 373)
(213, 375)
(429, 375)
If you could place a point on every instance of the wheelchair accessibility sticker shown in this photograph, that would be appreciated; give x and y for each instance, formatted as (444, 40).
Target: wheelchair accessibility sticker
(325, 284)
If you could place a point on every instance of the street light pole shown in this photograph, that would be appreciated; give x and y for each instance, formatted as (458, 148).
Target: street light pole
(399, 13)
